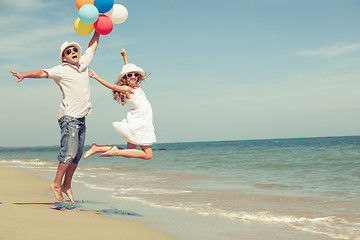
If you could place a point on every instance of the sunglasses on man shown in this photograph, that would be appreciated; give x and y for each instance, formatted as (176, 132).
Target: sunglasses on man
(74, 49)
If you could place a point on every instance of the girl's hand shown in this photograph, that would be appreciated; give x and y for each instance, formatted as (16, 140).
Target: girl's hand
(93, 74)
(124, 54)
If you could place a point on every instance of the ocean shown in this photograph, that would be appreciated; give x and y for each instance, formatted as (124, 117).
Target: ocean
(305, 185)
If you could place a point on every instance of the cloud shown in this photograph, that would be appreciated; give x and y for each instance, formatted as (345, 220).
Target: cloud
(335, 50)
(34, 42)
(27, 4)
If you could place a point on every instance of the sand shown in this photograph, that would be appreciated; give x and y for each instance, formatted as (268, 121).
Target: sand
(29, 212)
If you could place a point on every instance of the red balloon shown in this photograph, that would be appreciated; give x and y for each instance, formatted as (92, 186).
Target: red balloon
(103, 25)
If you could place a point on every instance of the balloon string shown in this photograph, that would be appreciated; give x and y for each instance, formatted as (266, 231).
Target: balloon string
(147, 72)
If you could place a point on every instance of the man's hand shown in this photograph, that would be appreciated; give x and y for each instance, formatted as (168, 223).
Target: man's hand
(32, 74)
(19, 76)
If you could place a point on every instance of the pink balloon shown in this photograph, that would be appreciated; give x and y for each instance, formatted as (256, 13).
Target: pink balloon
(103, 25)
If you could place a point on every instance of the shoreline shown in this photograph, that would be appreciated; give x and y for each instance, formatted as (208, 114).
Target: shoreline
(35, 214)
(28, 212)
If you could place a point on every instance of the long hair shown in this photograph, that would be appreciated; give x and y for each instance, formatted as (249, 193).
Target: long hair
(121, 97)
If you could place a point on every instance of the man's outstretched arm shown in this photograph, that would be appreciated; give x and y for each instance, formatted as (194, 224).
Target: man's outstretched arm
(31, 74)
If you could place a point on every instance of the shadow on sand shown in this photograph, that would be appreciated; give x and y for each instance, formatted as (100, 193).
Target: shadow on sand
(68, 206)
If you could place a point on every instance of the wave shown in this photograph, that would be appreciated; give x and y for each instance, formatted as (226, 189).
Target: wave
(30, 163)
(94, 186)
(331, 226)
(122, 190)
(272, 186)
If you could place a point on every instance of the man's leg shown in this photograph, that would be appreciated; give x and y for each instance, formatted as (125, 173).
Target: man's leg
(56, 185)
(77, 145)
(67, 156)
(66, 186)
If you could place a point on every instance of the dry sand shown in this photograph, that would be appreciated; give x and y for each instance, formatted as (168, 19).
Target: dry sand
(28, 212)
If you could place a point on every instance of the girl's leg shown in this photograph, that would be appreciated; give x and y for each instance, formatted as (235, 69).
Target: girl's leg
(96, 149)
(146, 152)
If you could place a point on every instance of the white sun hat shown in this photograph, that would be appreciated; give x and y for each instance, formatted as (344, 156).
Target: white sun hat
(66, 45)
(130, 67)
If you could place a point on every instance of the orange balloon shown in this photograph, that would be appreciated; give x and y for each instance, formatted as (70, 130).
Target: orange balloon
(80, 3)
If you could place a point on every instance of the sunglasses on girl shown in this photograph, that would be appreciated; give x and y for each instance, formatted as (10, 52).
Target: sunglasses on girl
(74, 49)
(132, 74)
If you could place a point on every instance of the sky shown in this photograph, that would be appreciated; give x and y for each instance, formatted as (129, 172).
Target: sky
(220, 70)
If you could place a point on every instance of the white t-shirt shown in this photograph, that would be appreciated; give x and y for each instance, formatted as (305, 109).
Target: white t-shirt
(74, 85)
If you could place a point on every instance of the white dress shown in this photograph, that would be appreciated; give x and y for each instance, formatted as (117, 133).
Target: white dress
(138, 127)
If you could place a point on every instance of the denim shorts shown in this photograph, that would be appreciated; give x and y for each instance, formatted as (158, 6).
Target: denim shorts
(72, 139)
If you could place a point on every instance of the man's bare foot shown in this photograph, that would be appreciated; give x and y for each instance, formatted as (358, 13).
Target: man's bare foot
(68, 193)
(112, 152)
(57, 192)
(91, 151)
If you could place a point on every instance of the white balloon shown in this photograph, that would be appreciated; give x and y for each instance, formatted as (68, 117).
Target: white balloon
(118, 14)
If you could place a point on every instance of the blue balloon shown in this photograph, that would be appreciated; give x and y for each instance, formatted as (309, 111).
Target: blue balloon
(88, 14)
(104, 5)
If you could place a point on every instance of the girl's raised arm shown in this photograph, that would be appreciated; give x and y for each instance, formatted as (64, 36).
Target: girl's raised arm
(124, 54)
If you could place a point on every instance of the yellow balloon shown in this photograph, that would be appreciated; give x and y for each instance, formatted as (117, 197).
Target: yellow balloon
(82, 28)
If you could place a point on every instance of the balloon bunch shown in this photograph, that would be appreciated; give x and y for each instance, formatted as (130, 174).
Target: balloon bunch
(99, 15)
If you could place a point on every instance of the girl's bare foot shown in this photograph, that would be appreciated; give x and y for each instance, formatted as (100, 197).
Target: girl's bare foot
(112, 152)
(57, 192)
(68, 193)
(91, 151)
